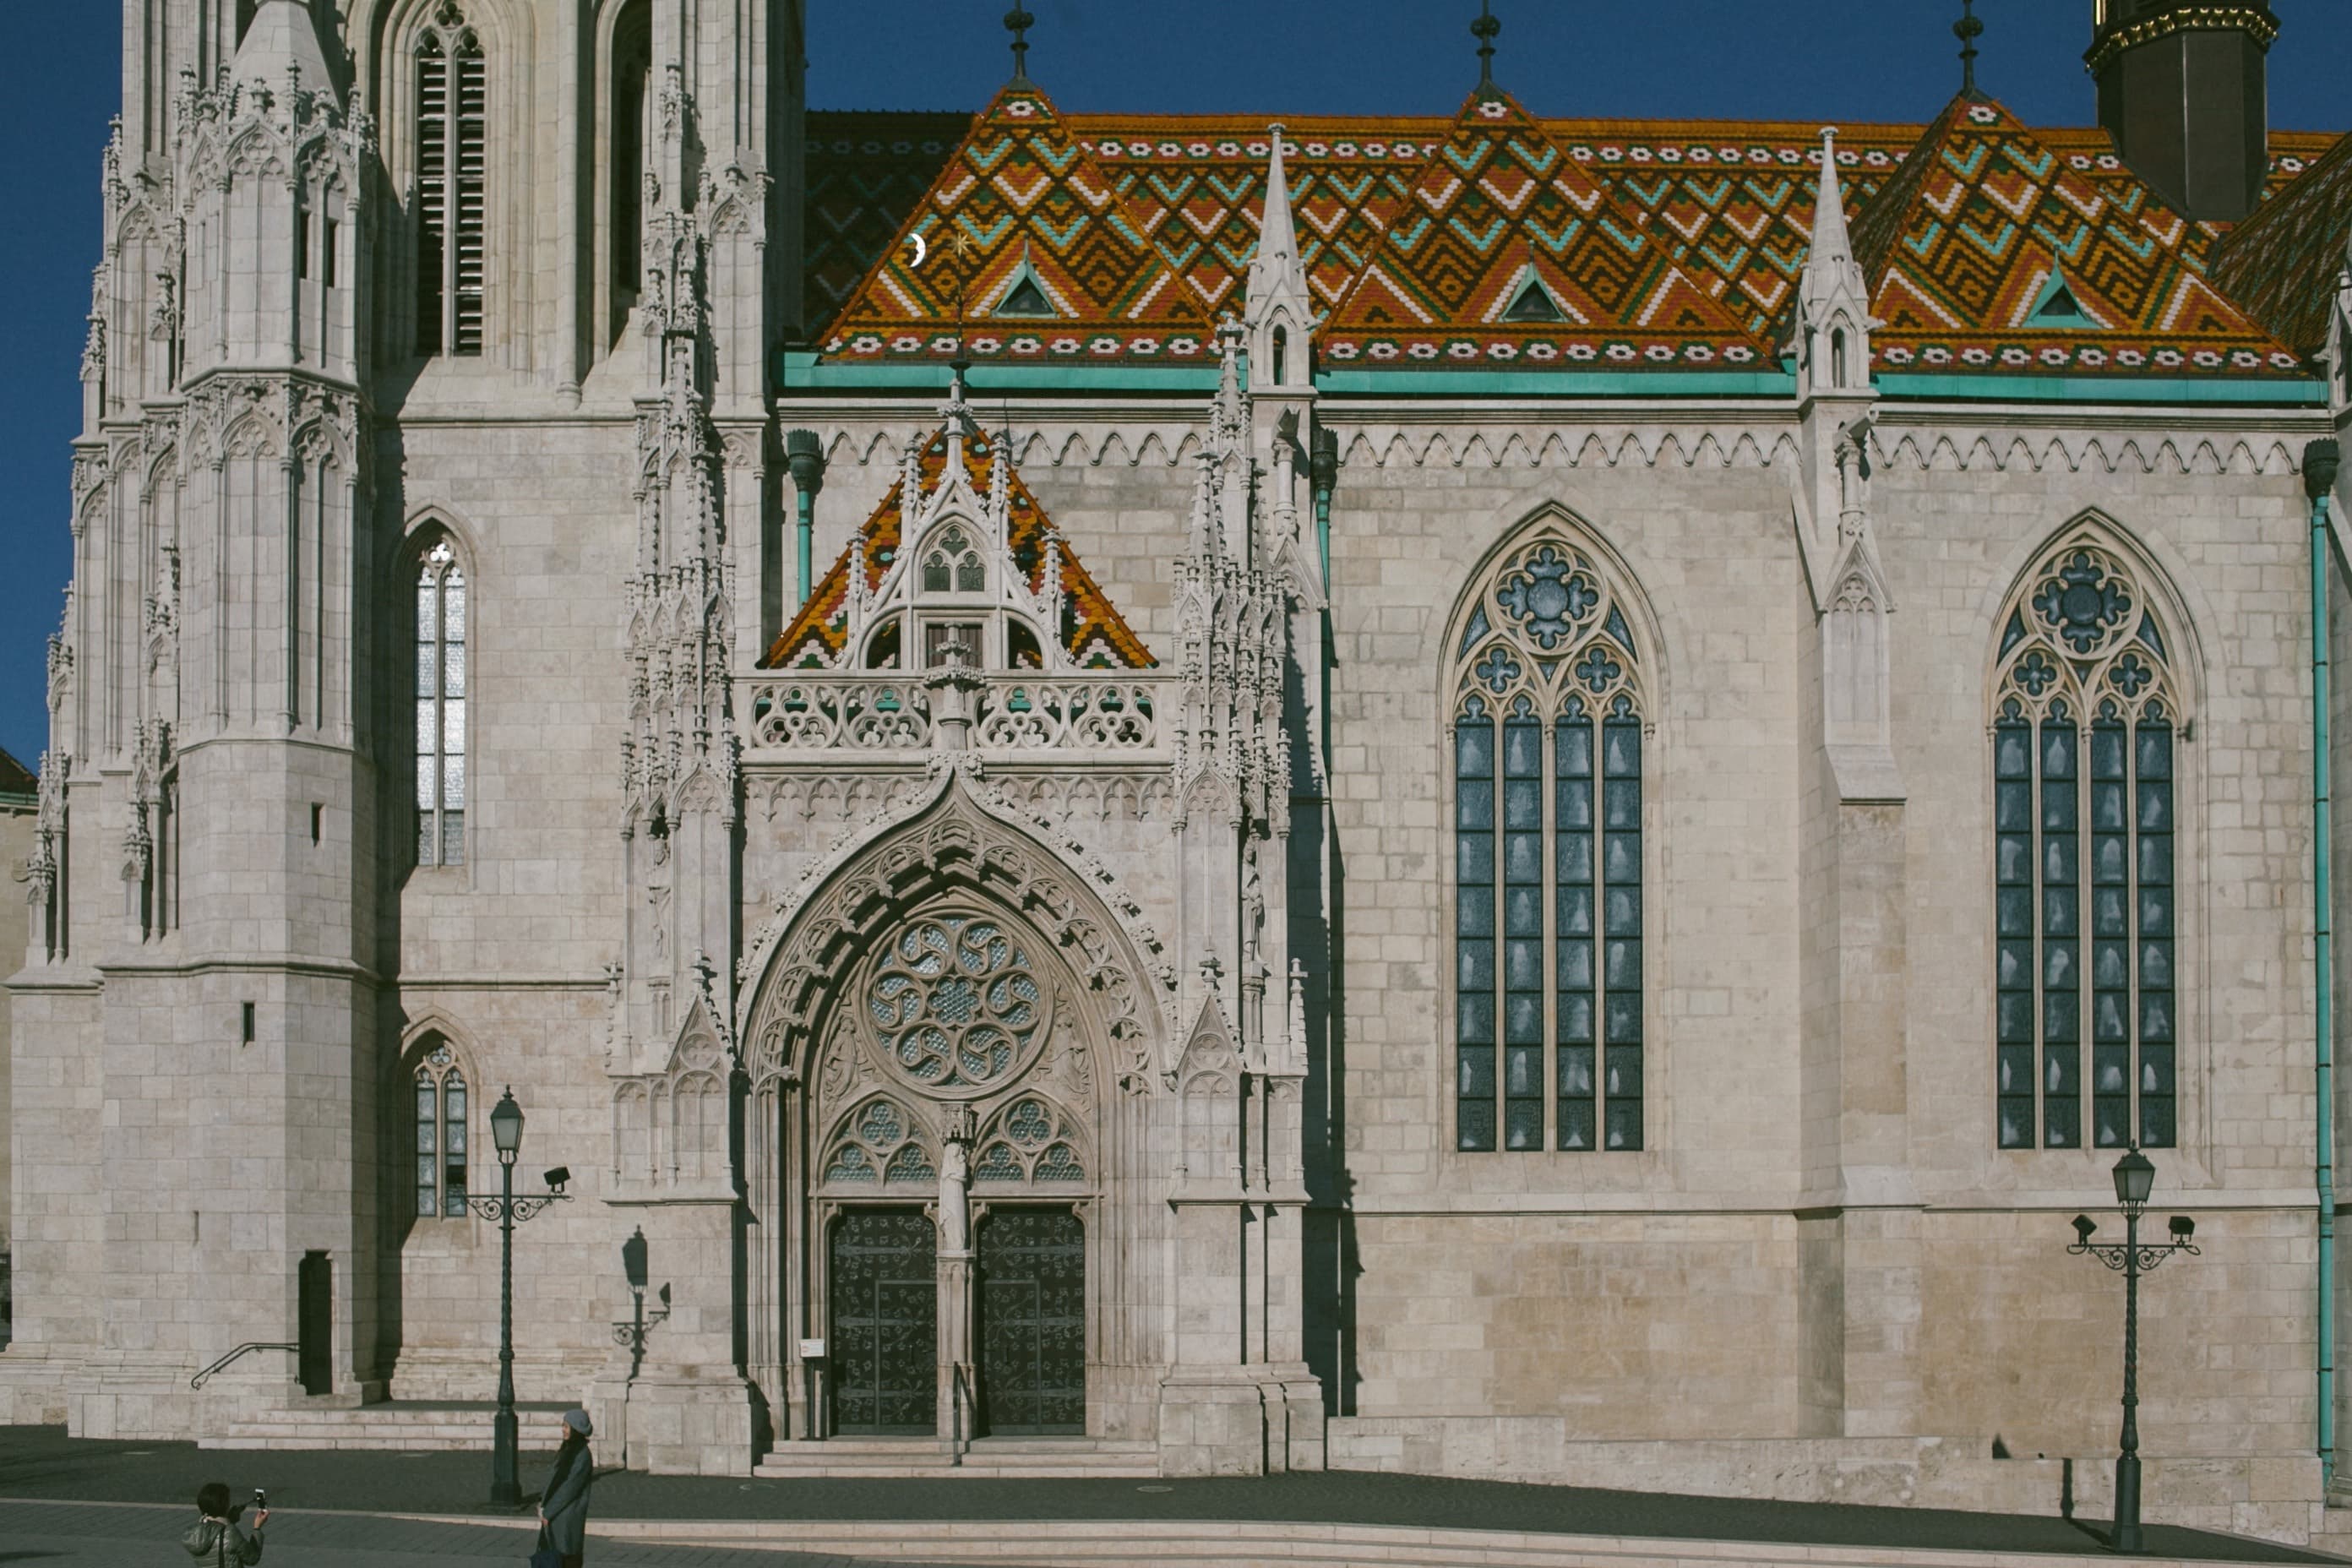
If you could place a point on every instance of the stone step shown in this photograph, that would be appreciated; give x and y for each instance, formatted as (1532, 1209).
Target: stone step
(998, 1457)
(403, 1426)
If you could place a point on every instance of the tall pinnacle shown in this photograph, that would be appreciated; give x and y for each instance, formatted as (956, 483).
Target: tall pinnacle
(1830, 245)
(1277, 239)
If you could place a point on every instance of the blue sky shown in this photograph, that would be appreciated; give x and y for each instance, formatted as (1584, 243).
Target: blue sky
(1830, 60)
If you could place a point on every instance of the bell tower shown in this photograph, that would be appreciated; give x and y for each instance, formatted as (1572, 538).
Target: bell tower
(2184, 90)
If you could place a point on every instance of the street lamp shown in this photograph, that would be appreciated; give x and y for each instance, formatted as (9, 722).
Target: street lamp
(505, 1134)
(2134, 1179)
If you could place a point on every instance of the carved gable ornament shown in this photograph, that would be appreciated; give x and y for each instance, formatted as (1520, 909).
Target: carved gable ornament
(927, 886)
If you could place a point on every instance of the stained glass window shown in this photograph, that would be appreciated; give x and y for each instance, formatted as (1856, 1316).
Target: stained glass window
(881, 1146)
(2085, 709)
(440, 1135)
(440, 709)
(1548, 825)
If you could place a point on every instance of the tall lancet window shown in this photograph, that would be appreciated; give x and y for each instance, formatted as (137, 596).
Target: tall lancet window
(440, 1134)
(2086, 710)
(452, 119)
(440, 709)
(1548, 824)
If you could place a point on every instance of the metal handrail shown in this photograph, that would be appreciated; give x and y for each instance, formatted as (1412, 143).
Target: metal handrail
(198, 1381)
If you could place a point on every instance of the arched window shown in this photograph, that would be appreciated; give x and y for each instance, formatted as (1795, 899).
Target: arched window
(954, 566)
(2085, 714)
(440, 707)
(1837, 358)
(452, 195)
(630, 108)
(440, 1141)
(1547, 739)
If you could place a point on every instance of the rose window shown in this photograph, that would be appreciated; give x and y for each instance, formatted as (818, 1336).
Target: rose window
(1549, 596)
(956, 1004)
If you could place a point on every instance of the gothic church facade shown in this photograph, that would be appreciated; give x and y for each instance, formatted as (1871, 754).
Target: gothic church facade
(1473, 793)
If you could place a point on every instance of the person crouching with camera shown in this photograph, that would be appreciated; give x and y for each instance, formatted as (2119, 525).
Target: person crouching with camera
(218, 1538)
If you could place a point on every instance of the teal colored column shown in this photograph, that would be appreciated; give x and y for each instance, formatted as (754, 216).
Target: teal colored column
(2320, 460)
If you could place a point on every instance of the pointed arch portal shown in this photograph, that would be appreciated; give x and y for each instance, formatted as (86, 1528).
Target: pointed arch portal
(944, 1143)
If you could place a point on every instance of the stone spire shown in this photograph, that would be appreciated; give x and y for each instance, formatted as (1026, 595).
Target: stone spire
(1280, 310)
(283, 41)
(1833, 322)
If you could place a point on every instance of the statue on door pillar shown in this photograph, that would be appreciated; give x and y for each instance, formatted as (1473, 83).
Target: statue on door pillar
(955, 1181)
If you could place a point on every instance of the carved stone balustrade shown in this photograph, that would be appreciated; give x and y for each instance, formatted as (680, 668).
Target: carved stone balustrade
(886, 715)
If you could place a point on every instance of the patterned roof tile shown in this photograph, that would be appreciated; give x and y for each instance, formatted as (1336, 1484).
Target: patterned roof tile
(2277, 262)
(865, 175)
(1501, 209)
(1092, 628)
(1019, 203)
(1731, 202)
(1968, 248)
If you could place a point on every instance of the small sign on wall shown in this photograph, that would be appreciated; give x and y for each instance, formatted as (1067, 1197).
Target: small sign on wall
(811, 1350)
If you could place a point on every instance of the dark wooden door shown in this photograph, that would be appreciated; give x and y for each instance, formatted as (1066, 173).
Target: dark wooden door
(315, 1310)
(1033, 1321)
(883, 1281)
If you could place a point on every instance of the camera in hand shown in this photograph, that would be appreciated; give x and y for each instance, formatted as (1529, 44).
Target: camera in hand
(260, 1503)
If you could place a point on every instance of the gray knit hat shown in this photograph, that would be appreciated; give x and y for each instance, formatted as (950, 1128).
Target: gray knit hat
(578, 1421)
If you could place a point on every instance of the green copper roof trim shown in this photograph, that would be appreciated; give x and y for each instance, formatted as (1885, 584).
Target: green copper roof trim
(801, 370)
(2300, 394)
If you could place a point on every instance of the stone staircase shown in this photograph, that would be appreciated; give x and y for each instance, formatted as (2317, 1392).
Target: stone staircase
(401, 1424)
(998, 1457)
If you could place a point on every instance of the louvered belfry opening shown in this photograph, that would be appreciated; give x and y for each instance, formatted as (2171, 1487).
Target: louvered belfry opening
(452, 115)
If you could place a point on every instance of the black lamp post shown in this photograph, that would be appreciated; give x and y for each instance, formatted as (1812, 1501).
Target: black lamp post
(2134, 1179)
(506, 1132)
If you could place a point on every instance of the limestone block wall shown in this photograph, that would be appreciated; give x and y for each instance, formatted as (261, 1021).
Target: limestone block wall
(16, 849)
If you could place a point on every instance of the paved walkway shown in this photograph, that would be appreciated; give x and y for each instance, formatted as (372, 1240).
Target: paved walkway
(131, 1535)
(314, 1491)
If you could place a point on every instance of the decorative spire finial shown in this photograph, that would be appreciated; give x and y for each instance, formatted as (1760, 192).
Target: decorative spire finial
(1969, 29)
(1484, 29)
(1018, 21)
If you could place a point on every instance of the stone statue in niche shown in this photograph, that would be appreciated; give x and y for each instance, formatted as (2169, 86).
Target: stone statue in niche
(955, 1181)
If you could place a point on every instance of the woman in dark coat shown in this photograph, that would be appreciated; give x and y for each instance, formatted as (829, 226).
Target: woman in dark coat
(563, 1505)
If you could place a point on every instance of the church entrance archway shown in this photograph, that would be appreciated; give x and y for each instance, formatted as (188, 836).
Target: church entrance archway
(1033, 1320)
(954, 1028)
(883, 1270)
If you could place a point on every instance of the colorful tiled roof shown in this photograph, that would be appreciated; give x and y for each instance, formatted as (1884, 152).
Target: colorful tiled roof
(1093, 630)
(1200, 191)
(1022, 212)
(15, 778)
(1729, 202)
(1734, 200)
(2278, 261)
(1987, 251)
(1501, 217)
(865, 174)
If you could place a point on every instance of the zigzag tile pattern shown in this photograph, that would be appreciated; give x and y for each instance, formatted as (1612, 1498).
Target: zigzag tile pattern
(1729, 202)
(1962, 245)
(1020, 201)
(1198, 188)
(1092, 626)
(2276, 262)
(1500, 208)
(866, 173)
